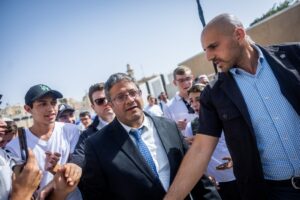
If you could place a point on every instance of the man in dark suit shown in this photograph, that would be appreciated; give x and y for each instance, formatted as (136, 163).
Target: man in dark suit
(255, 99)
(135, 156)
(104, 116)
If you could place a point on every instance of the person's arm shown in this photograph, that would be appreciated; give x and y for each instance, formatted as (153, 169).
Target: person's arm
(192, 167)
(65, 181)
(26, 180)
(77, 157)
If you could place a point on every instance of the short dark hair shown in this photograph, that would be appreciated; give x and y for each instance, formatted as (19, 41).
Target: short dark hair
(94, 88)
(85, 113)
(199, 87)
(180, 70)
(114, 79)
(150, 96)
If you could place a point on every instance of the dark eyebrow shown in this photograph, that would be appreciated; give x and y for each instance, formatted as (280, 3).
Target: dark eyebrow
(211, 46)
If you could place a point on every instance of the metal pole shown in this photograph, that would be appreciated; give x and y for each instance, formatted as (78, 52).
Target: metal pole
(201, 16)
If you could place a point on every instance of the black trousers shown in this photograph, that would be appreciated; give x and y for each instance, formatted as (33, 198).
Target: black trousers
(282, 190)
(229, 191)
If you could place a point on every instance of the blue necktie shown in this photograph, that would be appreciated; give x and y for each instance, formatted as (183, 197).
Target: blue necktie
(143, 148)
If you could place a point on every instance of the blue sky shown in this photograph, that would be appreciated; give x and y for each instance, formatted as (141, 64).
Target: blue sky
(71, 44)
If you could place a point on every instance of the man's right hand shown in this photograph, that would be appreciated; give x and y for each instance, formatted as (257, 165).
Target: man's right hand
(26, 179)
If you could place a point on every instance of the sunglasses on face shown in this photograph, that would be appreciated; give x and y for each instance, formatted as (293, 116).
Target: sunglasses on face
(101, 101)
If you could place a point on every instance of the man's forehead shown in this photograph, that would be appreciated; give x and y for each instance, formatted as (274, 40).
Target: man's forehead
(194, 94)
(46, 98)
(98, 94)
(125, 86)
(187, 73)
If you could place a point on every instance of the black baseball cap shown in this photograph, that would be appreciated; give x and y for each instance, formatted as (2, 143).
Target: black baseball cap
(38, 91)
(62, 108)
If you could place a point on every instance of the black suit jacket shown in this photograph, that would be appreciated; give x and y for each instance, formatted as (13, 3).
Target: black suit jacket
(114, 168)
(223, 107)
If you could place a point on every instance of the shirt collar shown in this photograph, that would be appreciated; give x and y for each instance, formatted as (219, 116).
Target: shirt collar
(102, 121)
(177, 96)
(146, 124)
(235, 70)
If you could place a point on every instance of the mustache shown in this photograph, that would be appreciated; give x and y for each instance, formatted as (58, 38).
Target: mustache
(216, 60)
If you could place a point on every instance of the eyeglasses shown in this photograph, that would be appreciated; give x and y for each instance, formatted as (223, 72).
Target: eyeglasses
(101, 101)
(121, 98)
(182, 80)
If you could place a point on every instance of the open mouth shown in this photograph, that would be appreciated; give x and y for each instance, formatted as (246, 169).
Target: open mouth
(131, 108)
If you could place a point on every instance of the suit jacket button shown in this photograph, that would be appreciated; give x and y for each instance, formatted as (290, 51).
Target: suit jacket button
(224, 116)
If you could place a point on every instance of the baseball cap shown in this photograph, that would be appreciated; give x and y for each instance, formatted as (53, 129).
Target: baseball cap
(37, 91)
(62, 108)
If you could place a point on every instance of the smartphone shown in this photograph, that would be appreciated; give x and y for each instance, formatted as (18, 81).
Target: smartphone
(23, 144)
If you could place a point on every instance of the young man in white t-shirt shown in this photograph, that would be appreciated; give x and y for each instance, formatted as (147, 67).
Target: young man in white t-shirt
(52, 142)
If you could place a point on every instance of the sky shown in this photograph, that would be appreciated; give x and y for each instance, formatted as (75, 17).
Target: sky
(72, 44)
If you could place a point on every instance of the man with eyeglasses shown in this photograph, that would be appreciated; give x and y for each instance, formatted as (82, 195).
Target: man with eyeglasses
(104, 116)
(135, 156)
(179, 109)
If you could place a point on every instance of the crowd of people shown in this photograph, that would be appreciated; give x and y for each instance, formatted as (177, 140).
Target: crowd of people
(234, 137)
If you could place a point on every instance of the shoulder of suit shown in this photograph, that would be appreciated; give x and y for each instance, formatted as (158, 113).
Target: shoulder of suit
(99, 135)
(219, 77)
(280, 47)
(157, 119)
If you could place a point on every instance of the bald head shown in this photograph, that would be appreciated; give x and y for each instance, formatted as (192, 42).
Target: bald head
(226, 23)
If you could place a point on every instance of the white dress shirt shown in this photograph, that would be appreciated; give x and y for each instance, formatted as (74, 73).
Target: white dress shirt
(101, 124)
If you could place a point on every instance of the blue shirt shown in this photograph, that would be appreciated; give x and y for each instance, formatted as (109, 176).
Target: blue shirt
(276, 124)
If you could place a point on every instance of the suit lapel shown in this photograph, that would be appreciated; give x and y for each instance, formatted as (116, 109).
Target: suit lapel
(233, 92)
(126, 145)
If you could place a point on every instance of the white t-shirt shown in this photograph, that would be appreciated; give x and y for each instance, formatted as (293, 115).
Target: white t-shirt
(63, 140)
(220, 152)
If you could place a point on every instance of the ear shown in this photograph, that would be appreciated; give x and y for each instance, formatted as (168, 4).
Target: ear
(240, 34)
(27, 108)
(174, 82)
(93, 106)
